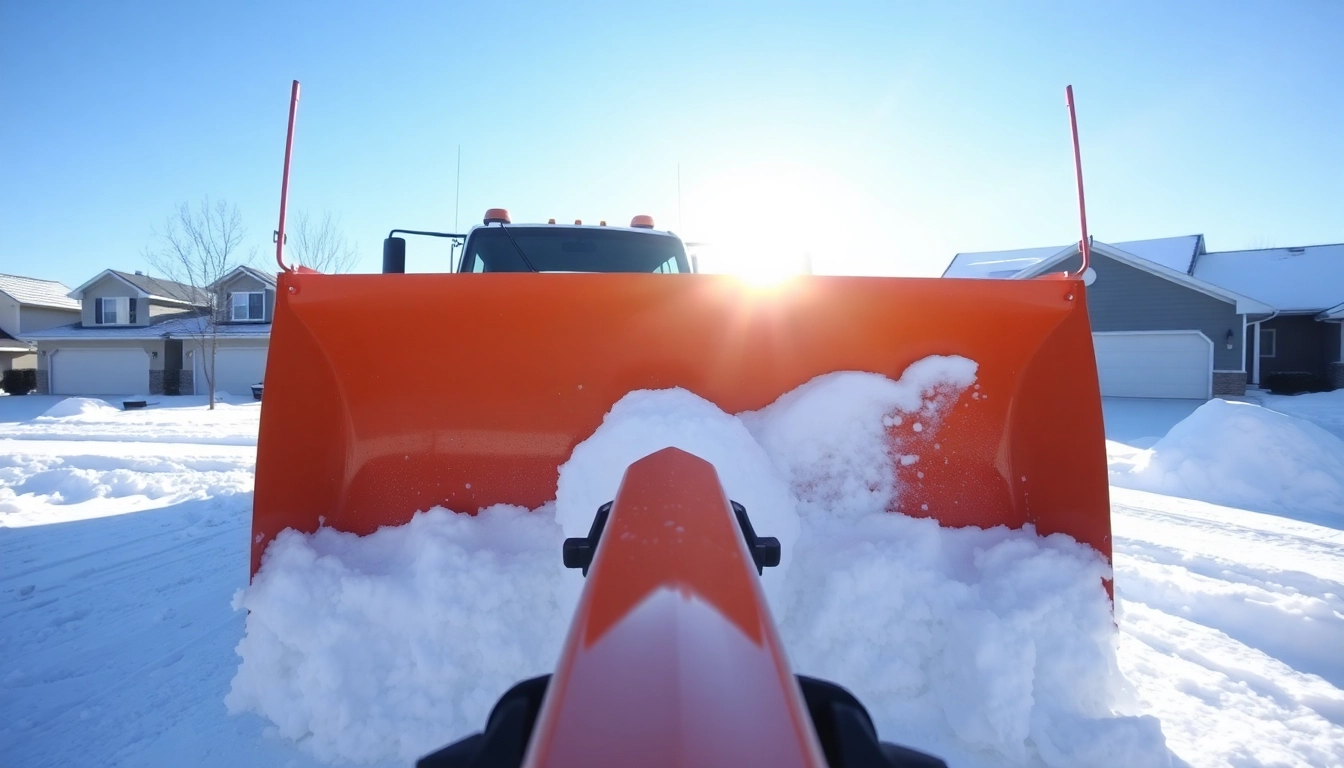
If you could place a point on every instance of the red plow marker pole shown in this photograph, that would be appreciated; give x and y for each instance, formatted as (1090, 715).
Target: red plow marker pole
(284, 181)
(1086, 245)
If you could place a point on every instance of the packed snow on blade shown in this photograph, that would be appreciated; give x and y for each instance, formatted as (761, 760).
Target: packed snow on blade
(982, 646)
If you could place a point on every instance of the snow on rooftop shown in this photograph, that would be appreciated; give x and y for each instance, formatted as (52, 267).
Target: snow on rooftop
(38, 293)
(163, 326)
(1171, 252)
(1289, 279)
(1000, 264)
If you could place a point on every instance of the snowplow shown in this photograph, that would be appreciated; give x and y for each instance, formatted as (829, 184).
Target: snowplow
(393, 393)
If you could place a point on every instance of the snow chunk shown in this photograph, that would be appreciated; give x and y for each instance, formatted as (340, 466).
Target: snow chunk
(1245, 456)
(79, 406)
(830, 436)
(644, 422)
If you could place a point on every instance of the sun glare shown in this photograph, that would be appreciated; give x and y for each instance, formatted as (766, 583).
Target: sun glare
(765, 225)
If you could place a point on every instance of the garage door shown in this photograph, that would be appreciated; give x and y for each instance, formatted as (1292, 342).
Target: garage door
(100, 372)
(1178, 364)
(239, 368)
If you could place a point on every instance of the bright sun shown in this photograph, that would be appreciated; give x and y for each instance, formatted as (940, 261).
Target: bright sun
(766, 225)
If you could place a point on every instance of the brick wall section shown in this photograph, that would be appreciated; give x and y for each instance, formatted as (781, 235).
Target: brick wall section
(186, 382)
(43, 382)
(1335, 379)
(1231, 384)
(156, 382)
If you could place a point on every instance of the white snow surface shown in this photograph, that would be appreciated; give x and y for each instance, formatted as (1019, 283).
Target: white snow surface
(1243, 455)
(119, 635)
(1289, 279)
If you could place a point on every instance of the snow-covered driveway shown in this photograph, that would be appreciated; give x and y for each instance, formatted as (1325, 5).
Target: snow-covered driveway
(123, 539)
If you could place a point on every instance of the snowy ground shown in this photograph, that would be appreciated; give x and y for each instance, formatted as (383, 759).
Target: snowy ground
(123, 540)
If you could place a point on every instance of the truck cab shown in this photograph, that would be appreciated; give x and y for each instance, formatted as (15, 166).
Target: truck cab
(498, 245)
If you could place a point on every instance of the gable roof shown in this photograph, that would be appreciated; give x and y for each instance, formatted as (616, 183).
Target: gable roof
(999, 264)
(1244, 304)
(34, 292)
(264, 277)
(1306, 279)
(160, 289)
(1176, 253)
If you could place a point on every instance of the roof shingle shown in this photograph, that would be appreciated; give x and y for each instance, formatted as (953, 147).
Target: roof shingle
(38, 293)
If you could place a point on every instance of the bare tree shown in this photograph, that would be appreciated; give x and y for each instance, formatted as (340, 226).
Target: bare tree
(197, 248)
(320, 245)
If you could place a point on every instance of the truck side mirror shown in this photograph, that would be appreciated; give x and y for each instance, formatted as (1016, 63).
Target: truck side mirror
(394, 255)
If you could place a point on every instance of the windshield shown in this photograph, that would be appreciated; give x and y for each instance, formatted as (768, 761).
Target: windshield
(566, 249)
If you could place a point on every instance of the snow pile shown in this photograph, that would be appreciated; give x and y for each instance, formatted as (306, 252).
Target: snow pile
(394, 644)
(79, 406)
(996, 639)
(37, 488)
(964, 642)
(1324, 409)
(168, 420)
(644, 422)
(1245, 456)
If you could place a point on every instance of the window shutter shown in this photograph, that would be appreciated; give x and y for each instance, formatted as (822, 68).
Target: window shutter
(98, 311)
(254, 311)
(132, 304)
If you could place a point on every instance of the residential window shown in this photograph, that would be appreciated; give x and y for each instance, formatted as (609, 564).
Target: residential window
(1267, 342)
(248, 306)
(114, 311)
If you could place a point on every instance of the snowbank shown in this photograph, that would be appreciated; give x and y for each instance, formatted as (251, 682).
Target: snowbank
(79, 406)
(1246, 456)
(391, 645)
(965, 642)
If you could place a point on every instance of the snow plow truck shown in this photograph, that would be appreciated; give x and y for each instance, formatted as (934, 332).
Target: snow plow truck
(501, 365)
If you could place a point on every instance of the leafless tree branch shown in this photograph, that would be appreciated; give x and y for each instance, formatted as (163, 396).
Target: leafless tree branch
(197, 248)
(321, 245)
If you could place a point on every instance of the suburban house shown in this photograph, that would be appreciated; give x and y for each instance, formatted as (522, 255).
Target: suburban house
(26, 305)
(1171, 319)
(138, 334)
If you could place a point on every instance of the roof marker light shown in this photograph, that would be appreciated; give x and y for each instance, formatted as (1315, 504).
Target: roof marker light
(550, 221)
(497, 216)
(602, 223)
(578, 221)
(642, 221)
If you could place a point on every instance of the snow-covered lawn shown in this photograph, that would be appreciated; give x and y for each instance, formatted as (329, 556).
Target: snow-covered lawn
(124, 537)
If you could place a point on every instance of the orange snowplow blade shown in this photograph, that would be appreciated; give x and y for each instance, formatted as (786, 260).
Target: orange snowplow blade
(389, 394)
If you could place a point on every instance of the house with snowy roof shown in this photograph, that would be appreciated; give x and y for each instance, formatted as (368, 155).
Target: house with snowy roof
(137, 334)
(30, 304)
(1171, 319)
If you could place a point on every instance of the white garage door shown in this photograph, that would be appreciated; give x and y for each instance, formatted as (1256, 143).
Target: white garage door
(100, 372)
(239, 368)
(1178, 364)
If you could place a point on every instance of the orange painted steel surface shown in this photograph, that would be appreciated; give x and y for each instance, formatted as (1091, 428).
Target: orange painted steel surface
(388, 394)
(672, 657)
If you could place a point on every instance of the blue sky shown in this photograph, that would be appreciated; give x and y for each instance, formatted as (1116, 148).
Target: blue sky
(882, 138)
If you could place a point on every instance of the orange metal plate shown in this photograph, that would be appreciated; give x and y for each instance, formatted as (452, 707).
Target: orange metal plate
(388, 394)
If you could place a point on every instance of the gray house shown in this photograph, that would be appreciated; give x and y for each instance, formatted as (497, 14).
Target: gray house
(136, 333)
(1173, 320)
(28, 304)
